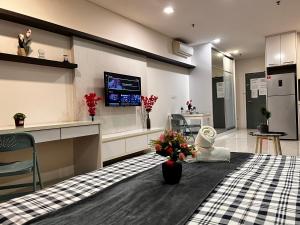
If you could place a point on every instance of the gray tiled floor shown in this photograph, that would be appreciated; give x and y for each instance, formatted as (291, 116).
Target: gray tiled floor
(241, 141)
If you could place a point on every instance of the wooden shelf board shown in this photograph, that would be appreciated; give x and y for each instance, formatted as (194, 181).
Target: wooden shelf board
(36, 61)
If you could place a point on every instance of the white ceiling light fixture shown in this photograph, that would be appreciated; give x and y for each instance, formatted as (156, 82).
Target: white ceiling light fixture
(235, 52)
(216, 41)
(168, 10)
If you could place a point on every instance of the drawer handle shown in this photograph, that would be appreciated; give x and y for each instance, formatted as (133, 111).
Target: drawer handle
(289, 62)
(273, 64)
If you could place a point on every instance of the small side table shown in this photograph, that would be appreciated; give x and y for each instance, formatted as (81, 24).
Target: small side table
(271, 135)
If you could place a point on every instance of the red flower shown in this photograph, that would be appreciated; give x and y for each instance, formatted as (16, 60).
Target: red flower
(184, 145)
(91, 100)
(148, 102)
(170, 162)
(181, 156)
(169, 150)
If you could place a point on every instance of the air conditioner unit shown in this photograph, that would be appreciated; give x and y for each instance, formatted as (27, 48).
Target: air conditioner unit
(182, 50)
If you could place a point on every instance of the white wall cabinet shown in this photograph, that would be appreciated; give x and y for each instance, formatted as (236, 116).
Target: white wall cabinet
(288, 48)
(281, 49)
(273, 51)
(124, 143)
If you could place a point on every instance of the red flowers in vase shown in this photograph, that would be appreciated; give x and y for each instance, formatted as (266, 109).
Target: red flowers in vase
(148, 102)
(91, 100)
(189, 104)
(173, 145)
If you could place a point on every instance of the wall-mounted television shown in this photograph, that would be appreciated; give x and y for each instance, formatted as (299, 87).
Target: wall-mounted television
(122, 90)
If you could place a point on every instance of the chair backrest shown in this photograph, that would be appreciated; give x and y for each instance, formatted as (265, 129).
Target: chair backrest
(16, 141)
(178, 122)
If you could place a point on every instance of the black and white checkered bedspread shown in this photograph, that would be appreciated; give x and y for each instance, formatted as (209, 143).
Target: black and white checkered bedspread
(265, 190)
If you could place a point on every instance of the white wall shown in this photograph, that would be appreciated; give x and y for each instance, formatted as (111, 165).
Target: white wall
(44, 94)
(200, 81)
(242, 67)
(47, 94)
(90, 18)
(169, 83)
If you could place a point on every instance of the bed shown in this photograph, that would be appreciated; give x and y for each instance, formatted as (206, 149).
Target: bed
(263, 190)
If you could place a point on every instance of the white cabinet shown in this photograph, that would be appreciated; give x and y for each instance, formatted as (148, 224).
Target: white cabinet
(281, 49)
(135, 144)
(113, 149)
(288, 48)
(125, 143)
(273, 51)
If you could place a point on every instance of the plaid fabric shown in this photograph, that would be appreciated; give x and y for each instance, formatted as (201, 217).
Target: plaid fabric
(265, 190)
(21, 210)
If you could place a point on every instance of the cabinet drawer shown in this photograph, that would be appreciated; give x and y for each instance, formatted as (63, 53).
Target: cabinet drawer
(136, 144)
(72, 132)
(113, 149)
(45, 135)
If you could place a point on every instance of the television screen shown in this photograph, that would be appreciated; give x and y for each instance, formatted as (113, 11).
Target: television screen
(122, 90)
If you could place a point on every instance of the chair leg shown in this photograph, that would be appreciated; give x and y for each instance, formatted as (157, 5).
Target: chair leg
(275, 145)
(279, 146)
(260, 145)
(256, 146)
(34, 177)
(39, 175)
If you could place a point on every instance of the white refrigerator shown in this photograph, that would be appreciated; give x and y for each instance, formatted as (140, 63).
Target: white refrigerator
(282, 103)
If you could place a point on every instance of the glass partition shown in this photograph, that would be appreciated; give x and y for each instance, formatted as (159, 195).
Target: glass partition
(223, 92)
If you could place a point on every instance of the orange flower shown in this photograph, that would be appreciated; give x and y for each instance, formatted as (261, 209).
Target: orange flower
(158, 147)
(183, 145)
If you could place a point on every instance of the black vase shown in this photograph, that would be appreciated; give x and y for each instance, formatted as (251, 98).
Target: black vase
(264, 128)
(148, 122)
(172, 172)
(19, 122)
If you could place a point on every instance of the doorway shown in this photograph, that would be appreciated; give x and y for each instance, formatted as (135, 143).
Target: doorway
(256, 94)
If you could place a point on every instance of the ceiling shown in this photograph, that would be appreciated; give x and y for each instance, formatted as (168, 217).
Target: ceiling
(241, 24)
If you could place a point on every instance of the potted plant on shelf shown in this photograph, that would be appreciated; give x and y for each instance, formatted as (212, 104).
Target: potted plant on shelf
(148, 103)
(91, 100)
(174, 146)
(264, 127)
(19, 119)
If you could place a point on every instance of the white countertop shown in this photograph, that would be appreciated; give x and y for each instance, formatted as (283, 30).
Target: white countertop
(130, 133)
(47, 126)
(195, 114)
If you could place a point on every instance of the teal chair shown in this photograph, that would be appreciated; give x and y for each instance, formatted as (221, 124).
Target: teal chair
(15, 142)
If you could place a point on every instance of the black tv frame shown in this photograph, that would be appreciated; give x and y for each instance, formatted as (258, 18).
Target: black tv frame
(106, 89)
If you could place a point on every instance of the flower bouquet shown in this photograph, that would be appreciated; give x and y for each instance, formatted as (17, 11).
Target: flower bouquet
(91, 100)
(190, 106)
(148, 103)
(174, 146)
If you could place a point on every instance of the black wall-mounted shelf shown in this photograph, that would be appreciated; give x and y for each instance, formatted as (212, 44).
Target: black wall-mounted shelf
(36, 61)
(44, 25)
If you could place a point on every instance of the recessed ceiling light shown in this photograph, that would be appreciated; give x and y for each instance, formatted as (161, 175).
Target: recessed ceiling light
(168, 10)
(217, 41)
(235, 52)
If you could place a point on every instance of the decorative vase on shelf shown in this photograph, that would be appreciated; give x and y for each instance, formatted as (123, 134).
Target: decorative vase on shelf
(93, 117)
(19, 119)
(22, 52)
(172, 171)
(19, 122)
(148, 121)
